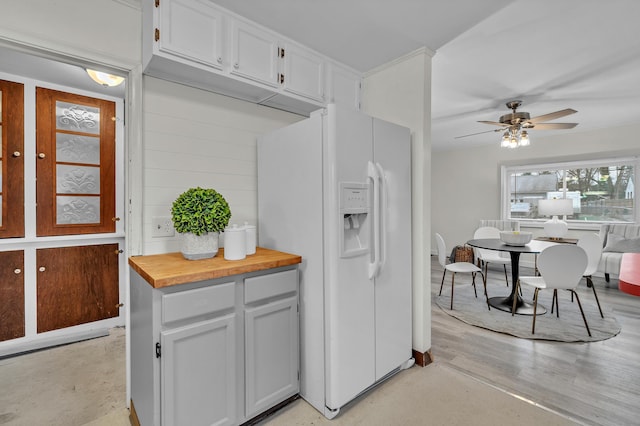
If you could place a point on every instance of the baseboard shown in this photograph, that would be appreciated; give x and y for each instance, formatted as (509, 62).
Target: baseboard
(422, 358)
(47, 342)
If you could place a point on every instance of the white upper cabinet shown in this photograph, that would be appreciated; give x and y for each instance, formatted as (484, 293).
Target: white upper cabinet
(303, 72)
(254, 53)
(198, 43)
(191, 29)
(343, 86)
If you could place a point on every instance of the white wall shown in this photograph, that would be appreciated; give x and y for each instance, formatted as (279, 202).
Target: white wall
(400, 92)
(197, 138)
(466, 183)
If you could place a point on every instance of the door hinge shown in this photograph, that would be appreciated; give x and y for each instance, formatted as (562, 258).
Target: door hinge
(157, 3)
(281, 52)
(281, 78)
(158, 350)
(157, 35)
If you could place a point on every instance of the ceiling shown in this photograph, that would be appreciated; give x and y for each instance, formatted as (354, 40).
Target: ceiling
(551, 54)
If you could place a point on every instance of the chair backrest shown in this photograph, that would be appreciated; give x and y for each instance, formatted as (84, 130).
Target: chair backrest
(442, 250)
(488, 232)
(502, 225)
(592, 245)
(562, 265)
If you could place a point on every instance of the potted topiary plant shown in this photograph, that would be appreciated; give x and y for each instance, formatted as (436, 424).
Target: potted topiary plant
(200, 215)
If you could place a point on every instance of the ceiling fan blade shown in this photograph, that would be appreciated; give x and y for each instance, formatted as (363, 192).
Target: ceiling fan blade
(551, 126)
(479, 133)
(552, 115)
(495, 123)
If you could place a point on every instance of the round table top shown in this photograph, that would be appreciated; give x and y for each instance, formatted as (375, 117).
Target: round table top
(533, 246)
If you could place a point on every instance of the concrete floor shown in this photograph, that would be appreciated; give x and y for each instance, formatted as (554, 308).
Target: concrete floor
(84, 384)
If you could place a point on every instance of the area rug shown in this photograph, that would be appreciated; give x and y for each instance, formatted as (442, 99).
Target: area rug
(569, 327)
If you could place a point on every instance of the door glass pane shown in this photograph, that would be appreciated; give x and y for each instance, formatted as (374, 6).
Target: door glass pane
(72, 210)
(77, 179)
(77, 118)
(77, 149)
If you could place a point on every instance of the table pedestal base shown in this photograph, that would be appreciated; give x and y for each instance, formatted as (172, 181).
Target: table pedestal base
(522, 307)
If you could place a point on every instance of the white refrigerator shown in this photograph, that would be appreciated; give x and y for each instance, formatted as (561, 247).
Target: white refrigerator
(336, 189)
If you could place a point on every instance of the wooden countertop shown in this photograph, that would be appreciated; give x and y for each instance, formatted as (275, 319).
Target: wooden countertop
(164, 270)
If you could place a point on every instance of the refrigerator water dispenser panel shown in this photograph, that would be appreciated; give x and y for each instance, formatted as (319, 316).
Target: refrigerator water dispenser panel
(354, 212)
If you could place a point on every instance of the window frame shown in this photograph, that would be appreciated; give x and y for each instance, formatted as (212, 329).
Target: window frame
(505, 190)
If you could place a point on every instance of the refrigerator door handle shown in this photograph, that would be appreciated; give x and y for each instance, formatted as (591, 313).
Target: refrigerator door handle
(372, 173)
(382, 214)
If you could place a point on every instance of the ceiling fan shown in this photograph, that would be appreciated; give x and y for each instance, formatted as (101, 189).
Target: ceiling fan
(520, 120)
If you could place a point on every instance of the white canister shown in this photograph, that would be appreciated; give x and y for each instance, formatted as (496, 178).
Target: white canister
(235, 243)
(251, 237)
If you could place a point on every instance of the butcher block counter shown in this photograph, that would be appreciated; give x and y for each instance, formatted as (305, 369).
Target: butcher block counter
(213, 341)
(163, 270)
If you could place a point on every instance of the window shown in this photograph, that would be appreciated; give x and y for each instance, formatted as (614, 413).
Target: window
(601, 190)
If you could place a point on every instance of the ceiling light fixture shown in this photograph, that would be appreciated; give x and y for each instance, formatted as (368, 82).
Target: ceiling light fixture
(105, 79)
(515, 137)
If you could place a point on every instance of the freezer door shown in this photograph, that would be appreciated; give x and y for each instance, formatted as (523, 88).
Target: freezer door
(393, 323)
(349, 293)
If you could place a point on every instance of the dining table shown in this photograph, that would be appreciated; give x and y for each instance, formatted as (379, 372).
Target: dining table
(505, 303)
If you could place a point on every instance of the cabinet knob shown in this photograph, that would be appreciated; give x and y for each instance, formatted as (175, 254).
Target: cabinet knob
(16, 154)
(42, 269)
(41, 155)
(236, 65)
(219, 59)
(17, 271)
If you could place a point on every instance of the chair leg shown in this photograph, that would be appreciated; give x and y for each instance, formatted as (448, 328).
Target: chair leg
(453, 278)
(442, 282)
(535, 309)
(506, 278)
(515, 299)
(486, 295)
(473, 282)
(593, 287)
(554, 301)
(582, 312)
(606, 277)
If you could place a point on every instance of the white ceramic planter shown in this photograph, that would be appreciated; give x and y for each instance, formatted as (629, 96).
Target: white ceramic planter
(195, 247)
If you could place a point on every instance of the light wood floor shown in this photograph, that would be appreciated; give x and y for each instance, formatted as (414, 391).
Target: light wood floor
(594, 383)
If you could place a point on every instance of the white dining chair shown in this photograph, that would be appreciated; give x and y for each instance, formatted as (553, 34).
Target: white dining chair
(592, 245)
(561, 267)
(485, 257)
(458, 267)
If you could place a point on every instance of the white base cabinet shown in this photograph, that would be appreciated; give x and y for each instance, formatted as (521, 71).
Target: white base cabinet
(214, 352)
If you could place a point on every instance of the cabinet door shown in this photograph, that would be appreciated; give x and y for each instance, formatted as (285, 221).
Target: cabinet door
(11, 159)
(303, 72)
(254, 53)
(271, 354)
(198, 373)
(76, 285)
(191, 29)
(11, 295)
(75, 166)
(343, 86)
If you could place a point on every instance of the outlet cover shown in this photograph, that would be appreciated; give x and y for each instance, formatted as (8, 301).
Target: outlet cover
(162, 226)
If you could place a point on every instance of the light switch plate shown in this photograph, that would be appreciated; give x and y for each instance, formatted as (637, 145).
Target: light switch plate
(162, 226)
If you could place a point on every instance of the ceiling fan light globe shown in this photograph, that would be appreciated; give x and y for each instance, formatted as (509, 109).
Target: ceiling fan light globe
(524, 139)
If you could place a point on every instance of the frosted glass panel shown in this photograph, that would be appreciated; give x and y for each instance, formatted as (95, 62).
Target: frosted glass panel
(77, 118)
(77, 149)
(72, 210)
(77, 179)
